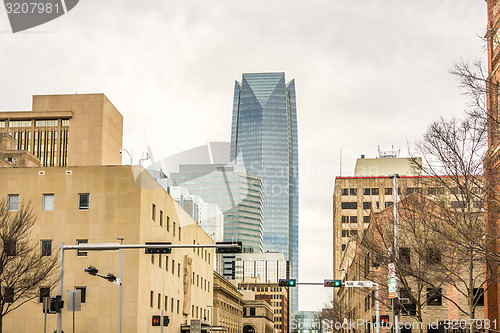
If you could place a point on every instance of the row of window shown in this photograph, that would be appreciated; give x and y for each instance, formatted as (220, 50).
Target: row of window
(408, 190)
(366, 204)
(174, 227)
(354, 219)
(48, 201)
(347, 233)
(174, 304)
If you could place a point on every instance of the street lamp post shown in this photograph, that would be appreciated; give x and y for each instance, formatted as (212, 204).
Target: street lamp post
(120, 305)
(211, 316)
(395, 249)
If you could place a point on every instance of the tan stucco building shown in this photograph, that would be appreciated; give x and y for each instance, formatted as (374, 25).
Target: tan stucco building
(87, 199)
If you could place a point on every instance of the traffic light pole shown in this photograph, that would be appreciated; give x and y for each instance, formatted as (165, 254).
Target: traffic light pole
(395, 308)
(116, 247)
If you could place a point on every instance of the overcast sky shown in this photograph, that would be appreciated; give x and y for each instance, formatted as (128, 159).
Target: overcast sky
(368, 73)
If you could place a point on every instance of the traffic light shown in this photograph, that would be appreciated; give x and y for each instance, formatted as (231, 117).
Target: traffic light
(158, 250)
(91, 270)
(287, 282)
(166, 321)
(235, 249)
(110, 277)
(332, 283)
(156, 321)
(384, 320)
(56, 304)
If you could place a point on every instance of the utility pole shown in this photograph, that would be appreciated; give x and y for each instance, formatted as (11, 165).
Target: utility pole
(395, 301)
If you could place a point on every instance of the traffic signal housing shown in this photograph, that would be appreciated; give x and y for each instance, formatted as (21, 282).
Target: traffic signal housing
(287, 282)
(236, 249)
(56, 304)
(155, 321)
(332, 283)
(91, 270)
(149, 250)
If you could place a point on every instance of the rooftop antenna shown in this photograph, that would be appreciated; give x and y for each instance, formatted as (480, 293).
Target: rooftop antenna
(340, 162)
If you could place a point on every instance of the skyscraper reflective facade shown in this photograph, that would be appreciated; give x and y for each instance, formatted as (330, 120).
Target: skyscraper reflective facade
(264, 139)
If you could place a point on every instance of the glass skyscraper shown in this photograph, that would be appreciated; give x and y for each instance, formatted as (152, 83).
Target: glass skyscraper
(264, 139)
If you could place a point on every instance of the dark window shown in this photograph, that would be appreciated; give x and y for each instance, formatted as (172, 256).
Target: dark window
(353, 219)
(151, 296)
(8, 295)
(252, 312)
(367, 265)
(10, 247)
(410, 190)
(367, 205)
(454, 190)
(431, 190)
(343, 247)
(161, 218)
(345, 219)
(173, 229)
(354, 232)
(366, 219)
(78, 252)
(388, 204)
(349, 205)
(366, 191)
(344, 191)
(353, 191)
(479, 296)
(168, 223)
(153, 213)
(404, 255)
(458, 204)
(159, 301)
(345, 233)
(83, 293)
(388, 191)
(433, 255)
(419, 190)
(434, 297)
(375, 191)
(44, 292)
(46, 248)
(84, 201)
(378, 204)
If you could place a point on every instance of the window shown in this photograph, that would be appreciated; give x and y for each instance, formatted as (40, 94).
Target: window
(388, 191)
(178, 306)
(252, 312)
(172, 304)
(179, 269)
(161, 218)
(44, 292)
(433, 255)
(153, 213)
(367, 265)
(152, 258)
(13, 202)
(458, 204)
(410, 190)
(83, 201)
(434, 297)
(479, 296)
(10, 247)
(345, 233)
(159, 301)
(345, 219)
(353, 191)
(8, 295)
(173, 266)
(166, 263)
(48, 202)
(366, 191)
(168, 223)
(404, 255)
(375, 191)
(343, 247)
(353, 219)
(367, 205)
(83, 293)
(349, 205)
(432, 191)
(166, 303)
(173, 229)
(354, 232)
(80, 253)
(388, 204)
(344, 191)
(159, 260)
(46, 248)
(179, 233)
(366, 219)
(151, 295)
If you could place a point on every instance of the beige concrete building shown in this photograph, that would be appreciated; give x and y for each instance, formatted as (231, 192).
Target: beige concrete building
(273, 294)
(257, 314)
(227, 307)
(73, 130)
(96, 205)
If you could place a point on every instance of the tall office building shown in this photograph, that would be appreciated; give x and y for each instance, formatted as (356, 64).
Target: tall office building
(237, 193)
(264, 139)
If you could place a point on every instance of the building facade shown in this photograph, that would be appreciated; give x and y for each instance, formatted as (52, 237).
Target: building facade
(264, 139)
(492, 160)
(228, 306)
(275, 296)
(68, 130)
(237, 193)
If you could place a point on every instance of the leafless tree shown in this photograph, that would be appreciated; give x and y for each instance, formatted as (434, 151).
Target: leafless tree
(24, 269)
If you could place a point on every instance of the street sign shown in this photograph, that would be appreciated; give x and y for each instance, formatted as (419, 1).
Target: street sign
(74, 300)
(359, 284)
(392, 270)
(392, 285)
